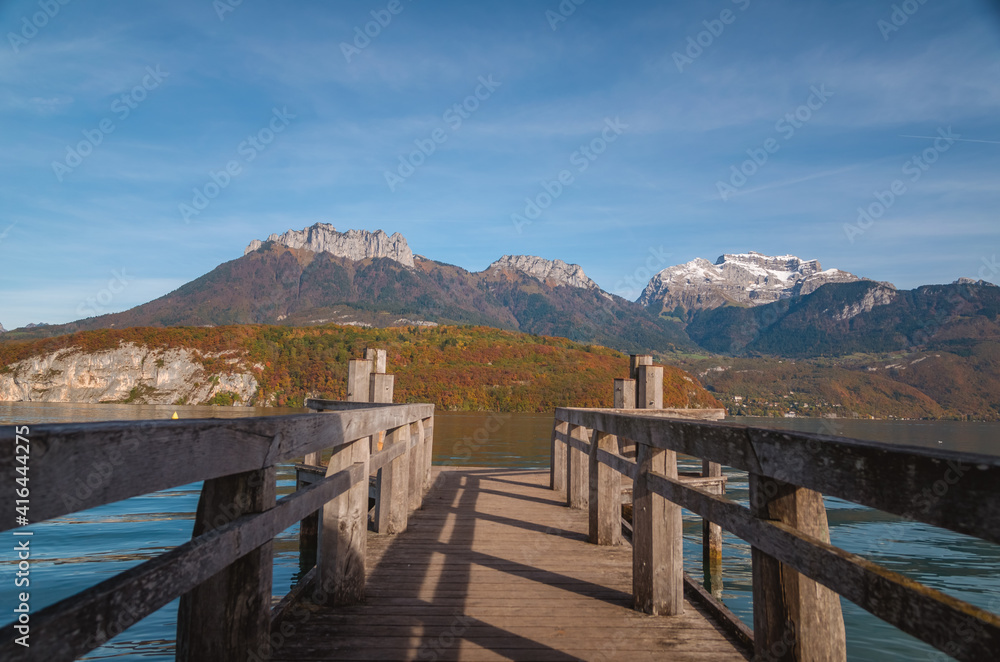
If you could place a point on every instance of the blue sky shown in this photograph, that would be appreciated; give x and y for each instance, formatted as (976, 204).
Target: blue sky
(675, 97)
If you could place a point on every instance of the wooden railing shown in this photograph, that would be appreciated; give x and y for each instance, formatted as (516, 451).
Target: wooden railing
(223, 575)
(797, 574)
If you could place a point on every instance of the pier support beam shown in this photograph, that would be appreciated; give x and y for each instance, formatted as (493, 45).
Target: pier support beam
(227, 618)
(794, 618)
(344, 541)
(605, 494)
(557, 457)
(657, 534)
(711, 537)
(577, 465)
(392, 504)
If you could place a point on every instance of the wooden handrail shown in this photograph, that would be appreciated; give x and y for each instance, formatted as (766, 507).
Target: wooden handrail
(851, 469)
(75, 467)
(223, 574)
(788, 473)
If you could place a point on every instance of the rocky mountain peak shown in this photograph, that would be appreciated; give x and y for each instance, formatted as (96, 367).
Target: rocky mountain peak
(551, 271)
(353, 244)
(2, 330)
(961, 281)
(738, 278)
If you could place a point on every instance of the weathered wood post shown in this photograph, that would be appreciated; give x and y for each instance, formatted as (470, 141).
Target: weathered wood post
(378, 357)
(345, 531)
(657, 536)
(625, 399)
(428, 424)
(228, 616)
(392, 503)
(605, 494)
(415, 466)
(711, 537)
(380, 387)
(557, 457)
(577, 465)
(794, 618)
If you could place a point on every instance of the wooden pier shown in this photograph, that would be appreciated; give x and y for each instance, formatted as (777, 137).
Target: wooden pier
(495, 567)
(488, 563)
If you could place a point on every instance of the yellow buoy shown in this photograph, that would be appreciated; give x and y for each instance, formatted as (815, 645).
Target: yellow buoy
(175, 417)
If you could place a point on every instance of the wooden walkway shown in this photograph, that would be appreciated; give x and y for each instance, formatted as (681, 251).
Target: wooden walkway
(496, 567)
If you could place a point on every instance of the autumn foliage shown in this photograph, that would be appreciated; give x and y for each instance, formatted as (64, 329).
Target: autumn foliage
(460, 368)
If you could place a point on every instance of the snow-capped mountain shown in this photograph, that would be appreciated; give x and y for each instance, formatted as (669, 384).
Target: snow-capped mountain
(748, 279)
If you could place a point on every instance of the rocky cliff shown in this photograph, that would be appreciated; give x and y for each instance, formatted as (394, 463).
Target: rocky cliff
(881, 294)
(353, 244)
(131, 373)
(551, 272)
(2, 330)
(748, 279)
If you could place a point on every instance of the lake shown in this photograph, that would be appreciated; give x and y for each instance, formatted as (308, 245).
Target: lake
(77, 551)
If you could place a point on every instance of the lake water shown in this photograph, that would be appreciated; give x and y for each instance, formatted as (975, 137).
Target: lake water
(77, 551)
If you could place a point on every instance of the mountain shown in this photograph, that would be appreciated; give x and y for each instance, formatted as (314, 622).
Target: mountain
(862, 316)
(746, 279)
(354, 244)
(2, 330)
(286, 281)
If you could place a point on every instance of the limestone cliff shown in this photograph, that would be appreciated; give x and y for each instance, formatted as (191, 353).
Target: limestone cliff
(748, 279)
(880, 294)
(553, 272)
(130, 373)
(353, 244)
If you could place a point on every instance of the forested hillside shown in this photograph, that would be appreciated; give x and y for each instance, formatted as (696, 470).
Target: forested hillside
(471, 368)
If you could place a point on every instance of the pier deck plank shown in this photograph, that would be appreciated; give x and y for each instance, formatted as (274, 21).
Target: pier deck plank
(495, 567)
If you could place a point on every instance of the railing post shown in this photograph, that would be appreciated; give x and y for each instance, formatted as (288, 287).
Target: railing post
(794, 618)
(657, 534)
(345, 531)
(308, 531)
(428, 426)
(392, 501)
(711, 538)
(415, 466)
(577, 483)
(228, 616)
(625, 399)
(657, 562)
(557, 457)
(605, 494)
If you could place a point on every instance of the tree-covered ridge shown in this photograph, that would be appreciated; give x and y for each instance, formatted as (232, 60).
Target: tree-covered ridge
(472, 368)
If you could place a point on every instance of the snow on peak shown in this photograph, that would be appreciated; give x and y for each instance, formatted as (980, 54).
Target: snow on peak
(750, 278)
